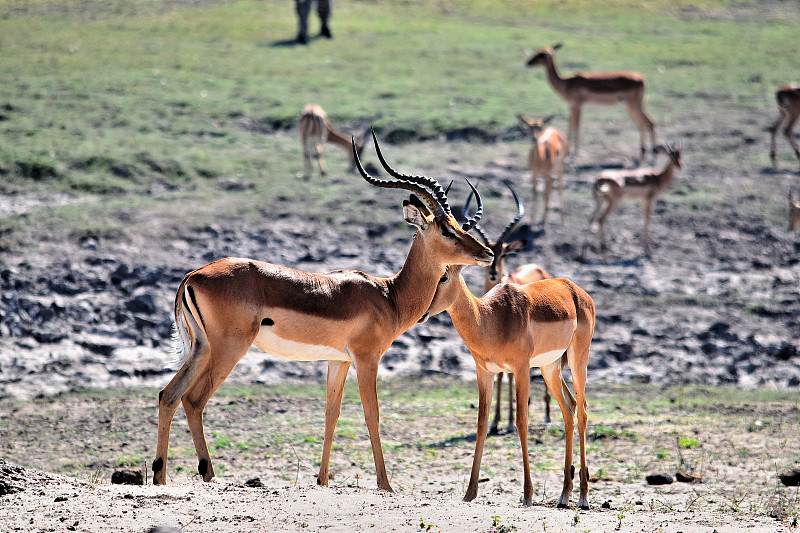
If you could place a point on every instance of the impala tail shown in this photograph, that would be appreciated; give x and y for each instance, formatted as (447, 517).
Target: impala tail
(187, 331)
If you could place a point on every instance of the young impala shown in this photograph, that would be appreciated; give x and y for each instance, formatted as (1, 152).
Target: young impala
(345, 317)
(514, 328)
(548, 151)
(788, 98)
(315, 129)
(605, 88)
(615, 186)
(495, 274)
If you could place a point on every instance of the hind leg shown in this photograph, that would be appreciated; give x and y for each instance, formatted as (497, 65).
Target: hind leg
(196, 398)
(168, 400)
(558, 388)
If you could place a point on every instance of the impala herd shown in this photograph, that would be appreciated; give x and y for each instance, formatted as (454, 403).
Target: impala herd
(525, 319)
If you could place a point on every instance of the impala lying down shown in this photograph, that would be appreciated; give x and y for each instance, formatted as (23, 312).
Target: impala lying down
(345, 317)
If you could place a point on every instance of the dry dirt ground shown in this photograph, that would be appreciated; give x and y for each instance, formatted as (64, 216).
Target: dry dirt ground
(735, 446)
(715, 304)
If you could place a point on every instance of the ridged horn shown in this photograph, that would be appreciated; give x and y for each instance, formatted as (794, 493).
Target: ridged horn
(408, 185)
(436, 192)
(471, 223)
(520, 213)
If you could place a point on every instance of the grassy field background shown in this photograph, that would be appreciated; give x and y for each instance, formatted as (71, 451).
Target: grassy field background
(120, 100)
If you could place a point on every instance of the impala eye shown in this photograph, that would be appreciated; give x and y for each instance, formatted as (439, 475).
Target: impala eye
(448, 233)
(444, 278)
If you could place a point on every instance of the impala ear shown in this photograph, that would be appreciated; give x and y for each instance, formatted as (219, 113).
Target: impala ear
(516, 246)
(417, 213)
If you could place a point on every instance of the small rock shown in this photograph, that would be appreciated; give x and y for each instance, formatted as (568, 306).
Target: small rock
(683, 477)
(791, 478)
(659, 479)
(127, 477)
(253, 483)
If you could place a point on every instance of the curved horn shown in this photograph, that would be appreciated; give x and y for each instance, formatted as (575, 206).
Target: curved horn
(408, 185)
(472, 222)
(520, 214)
(436, 192)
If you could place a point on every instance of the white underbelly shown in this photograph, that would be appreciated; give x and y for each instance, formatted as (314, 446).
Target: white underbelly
(298, 351)
(542, 359)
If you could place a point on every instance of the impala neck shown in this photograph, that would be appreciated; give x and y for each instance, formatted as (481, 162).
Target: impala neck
(466, 309)
(340, 139)
(552, 74)
(665, 178)
(411, 290)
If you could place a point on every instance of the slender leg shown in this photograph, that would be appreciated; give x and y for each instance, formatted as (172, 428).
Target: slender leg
(324, 8)
(523, 391)
(582, 343)
(535, 178)
(367, 372)
(302, 7)
(320, 160)
(547, 419)
(574, 125)
(499, 388)
(337, 376)
(484, 404)
(647, 206)
(197, 396)
(552, 376)
(775, 129)
(548, 189)
(601, 221)
(510, 428)
(307, 160)
(168, 400)
(635, 108)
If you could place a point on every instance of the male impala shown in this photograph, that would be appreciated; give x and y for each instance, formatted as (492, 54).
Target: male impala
(794, 212)
(315, 129)
(514, 328)
(344, 317)
(604, 88)
(495, 274)
(615, 186)
(548, 151)
(788, 98)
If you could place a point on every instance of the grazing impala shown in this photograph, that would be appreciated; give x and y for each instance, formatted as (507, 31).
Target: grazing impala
(514, 328)
(315, 129)
(548, 152)
(495, 274)
(343, 317)
(794, 212)
(615, 186)
(788, 98)
(604, 88)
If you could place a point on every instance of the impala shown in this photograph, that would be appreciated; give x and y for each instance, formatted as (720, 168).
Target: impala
(548, 152)
(495, 274)
(604, 88)
(345, 317)
(788, 98)
(794, 212)
(514, 328)
(615, 186)
(315, 129)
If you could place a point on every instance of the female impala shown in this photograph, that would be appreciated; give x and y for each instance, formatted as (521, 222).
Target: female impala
(344, 317)
(606, 88)
(512, 329)
(615, 186)
(788, 98)
(548, 152)
(494, 274)
(315, 129)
